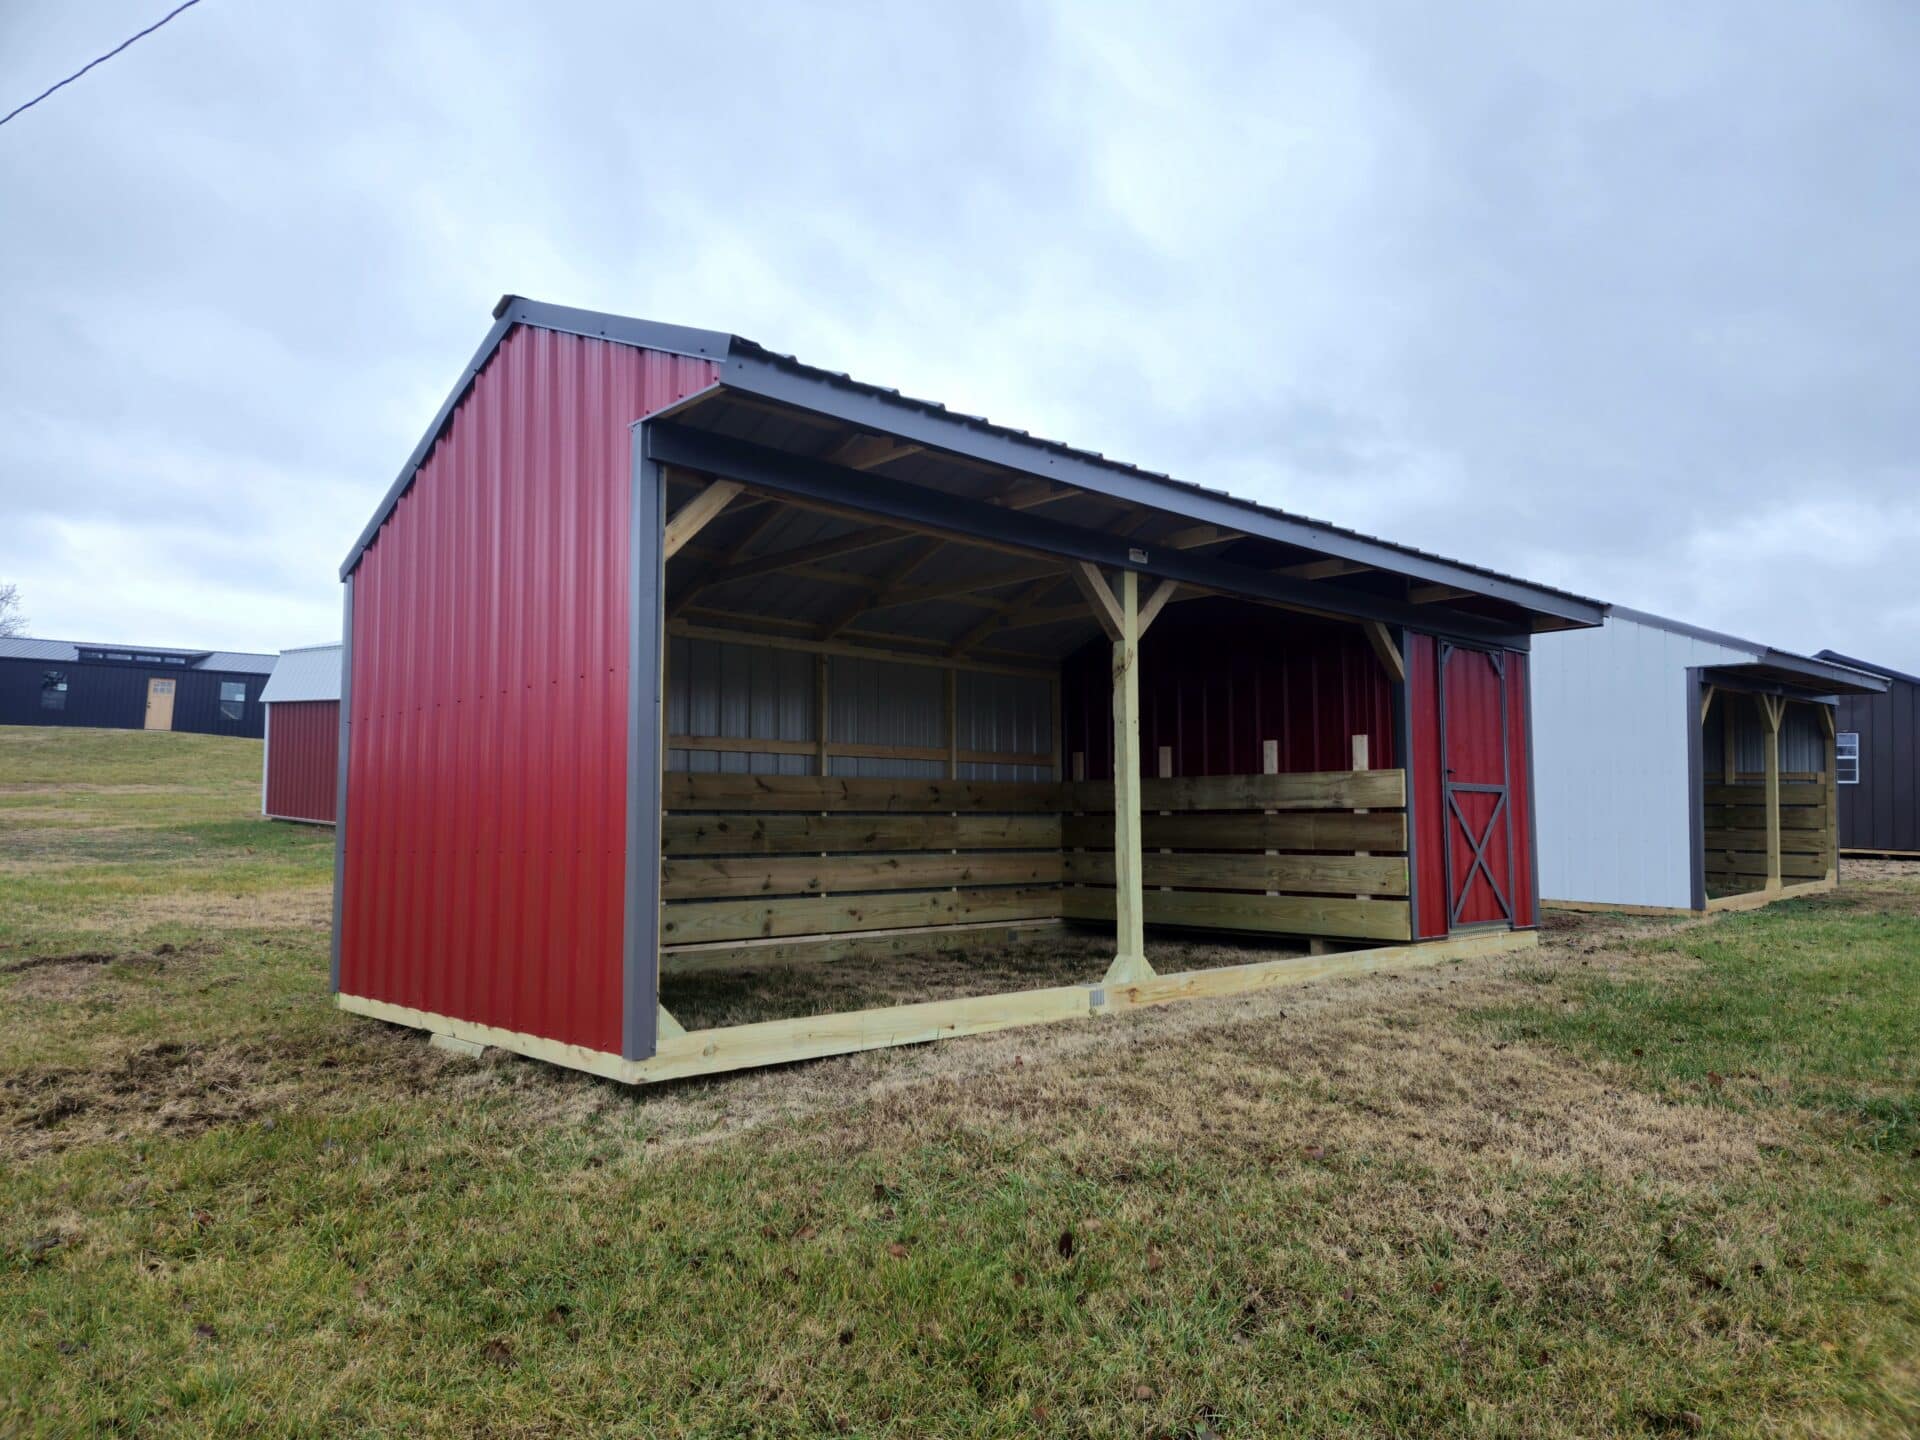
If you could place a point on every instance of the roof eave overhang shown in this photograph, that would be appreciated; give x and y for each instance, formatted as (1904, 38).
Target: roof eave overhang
(773, 380)
(1783, 674)
(748, 369)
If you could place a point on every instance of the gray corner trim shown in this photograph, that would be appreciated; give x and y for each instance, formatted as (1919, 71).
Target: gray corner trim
(622, 329)
(427, 442)
(646, 593)
(511, 311)
(1696, 793)
(340, 773)
(1403, 751)
(1533, 796)
(787, 474)
(786, 382)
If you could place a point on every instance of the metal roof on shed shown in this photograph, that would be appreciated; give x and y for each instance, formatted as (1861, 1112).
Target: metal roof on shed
(232, 662)
(311, 672)
(1871, 668)
(1805, 671)
(750, 369)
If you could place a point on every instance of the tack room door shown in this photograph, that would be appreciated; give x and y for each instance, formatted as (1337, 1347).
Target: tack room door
(1478, 814)
(160, 704)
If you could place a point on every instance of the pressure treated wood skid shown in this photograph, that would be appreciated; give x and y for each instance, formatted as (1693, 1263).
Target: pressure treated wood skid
(684, 1053)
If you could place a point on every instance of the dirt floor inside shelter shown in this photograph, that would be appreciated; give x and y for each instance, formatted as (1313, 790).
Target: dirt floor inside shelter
(1070, 956)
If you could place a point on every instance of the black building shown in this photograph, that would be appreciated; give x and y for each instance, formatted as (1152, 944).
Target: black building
(132, 687)
(1878, 750)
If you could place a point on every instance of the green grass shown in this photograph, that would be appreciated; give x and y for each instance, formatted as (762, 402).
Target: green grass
(1812, 1004)
(1663, 1186)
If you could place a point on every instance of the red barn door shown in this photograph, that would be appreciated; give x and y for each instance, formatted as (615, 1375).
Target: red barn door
(1477, 809)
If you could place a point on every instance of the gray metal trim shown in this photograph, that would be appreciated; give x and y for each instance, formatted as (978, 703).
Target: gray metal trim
(782, 381)
(623, 329)
(511, 311)
(1533, 802)
(783, 473)
(1403, 751)
(1885, 672)
(1735, 678)
(646, 595)
(1696, 793)
(340, 775)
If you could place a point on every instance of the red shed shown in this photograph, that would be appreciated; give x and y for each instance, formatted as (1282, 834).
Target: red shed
(300, 773)
(669, 655)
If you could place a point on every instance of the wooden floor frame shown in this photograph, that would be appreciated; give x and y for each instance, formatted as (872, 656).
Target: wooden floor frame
(1758, 899)
(1745, 900)
(683, 1053)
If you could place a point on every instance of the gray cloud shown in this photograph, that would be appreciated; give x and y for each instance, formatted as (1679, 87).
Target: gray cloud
(1624, 299)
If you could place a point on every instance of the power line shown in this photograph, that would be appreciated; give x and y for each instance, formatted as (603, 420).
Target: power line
(99, 60)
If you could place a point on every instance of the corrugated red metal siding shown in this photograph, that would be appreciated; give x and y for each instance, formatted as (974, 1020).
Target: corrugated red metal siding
(485, 832)
(1218, 680)
(303, 759)
(1475, 698)
(1473, 742)
(1425, 773)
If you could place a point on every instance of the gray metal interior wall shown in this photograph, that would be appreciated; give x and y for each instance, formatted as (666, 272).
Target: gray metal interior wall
(740, 692)
(1803, 740)
(1012, 713)
(758, 692)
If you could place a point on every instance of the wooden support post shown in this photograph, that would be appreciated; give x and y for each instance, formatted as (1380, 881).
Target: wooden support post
(1361, 745)
(1129, 900)
(1729, 762)
(1166, 773)
(820, 713)
(1770, 709)
(1156, 602)
(1270, 765)
(1053, 721)
(1386, 651)
(691, 518)
(953, 725)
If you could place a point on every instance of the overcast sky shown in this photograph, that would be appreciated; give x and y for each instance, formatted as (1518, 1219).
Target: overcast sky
(1625, 301)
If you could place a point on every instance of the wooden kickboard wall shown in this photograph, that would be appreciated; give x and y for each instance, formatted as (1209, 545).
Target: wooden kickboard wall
(1238, 852)
(757, 857)
(1736, 833)
(752, 859)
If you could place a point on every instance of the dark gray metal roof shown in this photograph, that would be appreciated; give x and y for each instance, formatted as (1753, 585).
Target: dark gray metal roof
(1805, 671)
(232, 662)
(1867, 665)
(752, 369)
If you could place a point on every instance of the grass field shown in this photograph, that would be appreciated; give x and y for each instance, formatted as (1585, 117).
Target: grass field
(1651, 1179)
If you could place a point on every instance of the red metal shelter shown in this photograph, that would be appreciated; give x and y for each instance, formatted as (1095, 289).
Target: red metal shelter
(301, 769)
(508, 734)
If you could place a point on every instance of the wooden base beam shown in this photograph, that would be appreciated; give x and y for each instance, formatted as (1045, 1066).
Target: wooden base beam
(778, 1042)
(1757, 899)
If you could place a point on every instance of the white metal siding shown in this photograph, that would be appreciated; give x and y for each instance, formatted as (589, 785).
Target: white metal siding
(1610, 762)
